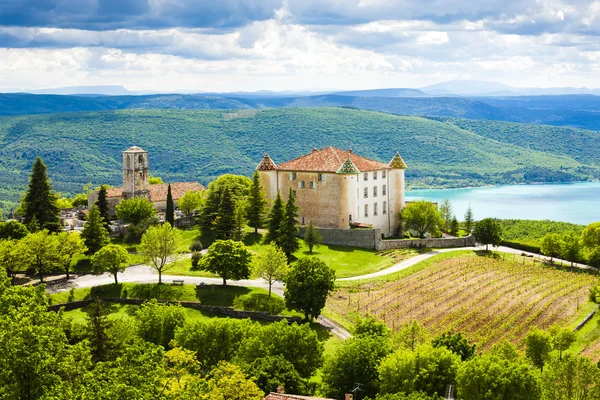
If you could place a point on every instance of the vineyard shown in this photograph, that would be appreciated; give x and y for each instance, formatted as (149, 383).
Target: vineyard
(487, 299)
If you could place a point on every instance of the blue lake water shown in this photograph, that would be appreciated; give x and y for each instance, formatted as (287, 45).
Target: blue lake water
(570, 202)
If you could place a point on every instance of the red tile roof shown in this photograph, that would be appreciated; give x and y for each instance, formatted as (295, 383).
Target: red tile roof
(330, 159)
(159, 192)
(277, 396)
(266, 164)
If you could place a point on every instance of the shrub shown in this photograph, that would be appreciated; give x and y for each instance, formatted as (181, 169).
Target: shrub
(196, 246)
(259, 302)
(196, 256)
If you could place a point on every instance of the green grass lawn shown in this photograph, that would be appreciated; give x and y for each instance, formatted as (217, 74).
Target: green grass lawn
(184, 267)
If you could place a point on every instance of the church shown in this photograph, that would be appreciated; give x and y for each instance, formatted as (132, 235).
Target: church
(135, 184)
(336, 188)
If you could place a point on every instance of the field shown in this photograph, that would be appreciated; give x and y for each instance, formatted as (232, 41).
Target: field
(488, 299)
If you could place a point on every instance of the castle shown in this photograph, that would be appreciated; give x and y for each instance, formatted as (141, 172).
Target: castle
(135, 184)
(335, 188)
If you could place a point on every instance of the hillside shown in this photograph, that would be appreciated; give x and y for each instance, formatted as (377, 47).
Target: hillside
(184, 145)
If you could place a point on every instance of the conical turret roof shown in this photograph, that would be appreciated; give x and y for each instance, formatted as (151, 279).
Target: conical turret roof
(266, 164)
(397, 162)
(348, 168)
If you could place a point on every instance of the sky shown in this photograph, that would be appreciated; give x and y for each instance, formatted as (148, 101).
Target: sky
(248, 45)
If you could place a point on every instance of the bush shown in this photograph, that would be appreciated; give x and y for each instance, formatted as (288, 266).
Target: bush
(521, 246)
(259, 302)
(196, 256)
(196, 246)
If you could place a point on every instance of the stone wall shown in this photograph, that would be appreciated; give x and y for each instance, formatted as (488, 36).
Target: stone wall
(437, 243)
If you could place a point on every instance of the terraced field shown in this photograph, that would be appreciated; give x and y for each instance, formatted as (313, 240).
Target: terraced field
(485, 298)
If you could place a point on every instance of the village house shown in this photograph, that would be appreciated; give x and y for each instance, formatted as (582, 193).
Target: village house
(135, 184)
(336, 188)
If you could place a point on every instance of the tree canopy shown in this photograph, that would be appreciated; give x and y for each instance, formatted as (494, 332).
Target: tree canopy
(308, 284)
(135, 210)
(227, 258)
(158, 247)
(39, 204)
(488, 231)
(421, 217)
(110, 258)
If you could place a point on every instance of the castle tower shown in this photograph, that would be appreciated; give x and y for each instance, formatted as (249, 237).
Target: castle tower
(397, 189)
(135, 173)
(268, 175)
(348, 175)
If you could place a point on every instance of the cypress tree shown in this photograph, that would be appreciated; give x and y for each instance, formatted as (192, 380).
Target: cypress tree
(94, 234)
(170, 210)
(275, 220)
(256, 203)
(224, 224)
(469, 220)
(312, 237)
(39, 203)
(102, 205)
(288, 230)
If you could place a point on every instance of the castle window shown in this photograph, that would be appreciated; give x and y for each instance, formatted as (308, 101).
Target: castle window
(366, 176)
(374, 191)
(375, 209)
(301, 184)
(375, 175)
(350, 218)
(141, 161)
(292, 176)
(384, 207)
(320, 177)
(366, 210)
(383, 174)
(366, 192)
(384, 190)
(313, 184)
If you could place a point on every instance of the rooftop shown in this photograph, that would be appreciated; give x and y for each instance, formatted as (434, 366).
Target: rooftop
(159, 192)
(331, 159)
(278, 396)
(135, 149)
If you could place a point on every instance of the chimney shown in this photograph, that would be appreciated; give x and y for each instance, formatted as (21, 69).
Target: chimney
(350, 150)
(314, 149)
(349, 396)
(280, 390)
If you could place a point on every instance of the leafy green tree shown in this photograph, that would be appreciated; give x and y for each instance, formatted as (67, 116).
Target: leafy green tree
(80, 200)
(97, 332)
(505, 350)
(590, 236)
(271, 372)
(288, 230)
(135, 210)
(111, 258)
(538, 345)
(562, 339)
(271, 265)
(355, 360)
(421, 217)
(224, 223)
(573, 377)
(572, 249)
(71, 248)
(488, 231)
(308, 284)
(454, 226)
(170, 209)
(276, 215)
(404, 396)
(155, 180)
(102, 205)
(411, 335)
(427, 369)
(12, 230)
(238, 186)
(256, 203)
(228, 259)
(456, 343)
(239, 221)
(228, 382)
(312, 236)
(191, 201)
(180, 362)
(469, 221)
(158, 322)
(369, 326)
(14, 257)
(446, 214)
(45, 252)
(491, 378)
(94, 234)
(159, 246)
(39, 203)
(552, 245)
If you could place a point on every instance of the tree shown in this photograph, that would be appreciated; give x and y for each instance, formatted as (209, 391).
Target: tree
(155, 180)
(456, 343)
(228, 259)
(228, 382)
(425, 369)
(191, 201)
(308, 285)
(256, 203)
(271, 372)
(135, 210)
(590, 236)
(275, 220)
(14, 257)
(13, 230)
(224, 223)
(538, 345)
(45, 252)
(505, 350)
(39, 204)
(288, 230)
(312, 236)
(355, 360)
(170, 209)
(489, 377)
(573, 377)
(446, 214)
(271, 265)
(97, 332)
(468, 224)
(71, 248)
(454, 226)
(158, 322)
(110, 258)
(412, 335)
(571, 249)
(562, 339)
(102, 205)
(239, 221)
(158, 247)
(94, 234)
(552, 245)
(238, 186)
(421, 217)
(488, 231)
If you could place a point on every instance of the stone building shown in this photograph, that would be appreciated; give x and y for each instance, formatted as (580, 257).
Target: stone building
(338, 189)
(135, 184)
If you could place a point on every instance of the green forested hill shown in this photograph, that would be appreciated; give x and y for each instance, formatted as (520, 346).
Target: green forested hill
(195, 144)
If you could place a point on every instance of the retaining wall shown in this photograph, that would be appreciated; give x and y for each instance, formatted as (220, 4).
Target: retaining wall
(437, 243)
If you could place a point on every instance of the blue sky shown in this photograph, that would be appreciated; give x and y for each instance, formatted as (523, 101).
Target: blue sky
(227, 45)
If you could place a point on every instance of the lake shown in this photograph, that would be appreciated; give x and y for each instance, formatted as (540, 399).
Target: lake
(578, 203)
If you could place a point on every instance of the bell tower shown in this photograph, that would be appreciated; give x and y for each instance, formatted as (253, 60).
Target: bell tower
(135, 173)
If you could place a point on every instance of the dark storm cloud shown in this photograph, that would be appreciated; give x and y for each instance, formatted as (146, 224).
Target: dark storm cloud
(135, 14)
